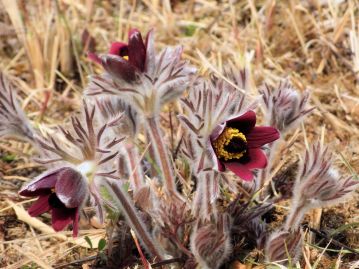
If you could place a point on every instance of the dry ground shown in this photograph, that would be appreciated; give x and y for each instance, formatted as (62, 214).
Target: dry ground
(315, 43)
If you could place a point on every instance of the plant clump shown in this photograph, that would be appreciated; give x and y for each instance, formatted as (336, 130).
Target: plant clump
(200, 204)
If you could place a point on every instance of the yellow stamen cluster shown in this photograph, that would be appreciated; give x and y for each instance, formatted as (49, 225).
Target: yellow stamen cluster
(224, 139)
(125, 57)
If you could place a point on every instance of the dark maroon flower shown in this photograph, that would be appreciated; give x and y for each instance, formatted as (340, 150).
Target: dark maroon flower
(237, 144)
(62, 192)
(124, 60)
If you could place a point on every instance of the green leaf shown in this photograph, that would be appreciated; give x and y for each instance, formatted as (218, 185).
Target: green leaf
(110, 204)
(105, 194)
(190, 30)
(8, 158)
(101, 244)
(88, 240)
(153, 164)
(332, 250)
(344, 228)
(347, 164)
(126, 186)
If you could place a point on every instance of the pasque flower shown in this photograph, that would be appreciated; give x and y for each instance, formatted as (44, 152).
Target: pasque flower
(139, 75)
(208, 105)
(146, 81)
(237, 144)
(62, 192)
(125, 60)
(83, 155)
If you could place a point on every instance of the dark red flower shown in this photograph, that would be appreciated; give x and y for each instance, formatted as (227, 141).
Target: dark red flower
(62, 192)
(237, 145)
(124, 60)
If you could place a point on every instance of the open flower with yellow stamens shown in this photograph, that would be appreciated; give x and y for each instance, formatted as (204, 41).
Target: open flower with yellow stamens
(237, 144)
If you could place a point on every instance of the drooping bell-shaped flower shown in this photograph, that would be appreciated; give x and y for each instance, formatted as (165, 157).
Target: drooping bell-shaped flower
(62, 192)
(125, 60)
(237, 144)
(140, 76)
(83, 157)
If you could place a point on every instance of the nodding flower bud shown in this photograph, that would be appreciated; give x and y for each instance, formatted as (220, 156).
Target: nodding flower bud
(13, 120)
(62, 192)
(120, 116)
(317, 184)
(284, 246)
(210, 243)
(285, 107)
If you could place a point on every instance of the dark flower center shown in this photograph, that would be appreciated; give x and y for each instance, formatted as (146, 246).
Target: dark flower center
(123, 52)
(236, 144)
(231, 144)
(54, 201)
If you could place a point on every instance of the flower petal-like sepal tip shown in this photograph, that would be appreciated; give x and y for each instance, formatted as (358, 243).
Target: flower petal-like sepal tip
(136, 49)
(71, 188)
(40, 206)
(240, 170)
(259, 136)
(119, 68)
(94, 57)
(60, 191)
(245, 122)
(238, 146)
(41, 184)
(118, 48)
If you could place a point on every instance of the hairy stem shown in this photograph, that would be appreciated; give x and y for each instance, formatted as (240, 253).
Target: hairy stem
(161, 155)
(204, 202)
(134, 168)
(128, 210)
(263, 176)
(178, 243)
(295, 217)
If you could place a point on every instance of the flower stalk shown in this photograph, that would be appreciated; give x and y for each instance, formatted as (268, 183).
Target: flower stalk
(127, 208)
(161, 155)
(132, 161)
(263, 175)
(204, 203)
(295, 216)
